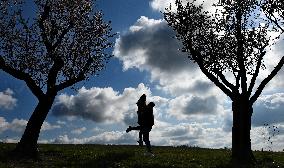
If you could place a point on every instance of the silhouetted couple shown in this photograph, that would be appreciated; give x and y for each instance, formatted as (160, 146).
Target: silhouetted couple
(145, 121)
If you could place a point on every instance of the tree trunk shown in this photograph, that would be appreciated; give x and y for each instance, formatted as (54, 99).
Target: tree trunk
(242, 155)
(27, 147)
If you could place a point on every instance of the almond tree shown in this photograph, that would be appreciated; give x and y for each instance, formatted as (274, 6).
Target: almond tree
(229, 46)
(64, 43)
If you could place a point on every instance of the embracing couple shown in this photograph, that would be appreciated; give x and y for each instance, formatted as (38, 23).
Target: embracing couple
(145, 121)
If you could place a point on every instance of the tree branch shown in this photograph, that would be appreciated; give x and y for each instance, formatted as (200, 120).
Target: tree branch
(79, 78)
(226, 82)
(274, 21)
(22, 76)
(44, 16)
(238, 80)
(266, 80)
(58, 63)
(53, 72)
(196, 56)
(64, 32)
(253, 79)
(240, 50)
(70, 82)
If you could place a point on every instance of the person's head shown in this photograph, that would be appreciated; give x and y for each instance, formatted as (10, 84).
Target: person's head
(151, 104)
(143, 97)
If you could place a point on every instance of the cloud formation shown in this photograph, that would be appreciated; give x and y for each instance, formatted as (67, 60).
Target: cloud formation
(162, 134)
(269, 110)
(185, 107)
(274, 51)
(149, 45)
(3, 124)
(113, 137)
(47, 126)
(161, 5)
(7, 101)
(19, 125)
(16, 125)
(79, 131)
(101, 104)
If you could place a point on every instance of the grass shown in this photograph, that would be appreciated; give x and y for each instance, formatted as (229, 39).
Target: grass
(128, 156)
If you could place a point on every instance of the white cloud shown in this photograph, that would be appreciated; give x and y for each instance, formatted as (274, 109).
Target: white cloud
(272, 58)
(62, 139)
(161, 5)
(177, 131)
(193, 105)
(263, 138)
(7, 101)
(165, 133)
(101, 104)
(209, 109)
(61, 122)
(3, 124)
(79, 131)
(47, 126)
(274, 51)
(150, 46)
(268, 109)
(113, 137)
(97, 130)
(11, 140)
(19, 125)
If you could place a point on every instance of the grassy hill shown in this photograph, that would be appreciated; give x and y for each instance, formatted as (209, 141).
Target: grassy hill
(107, 156)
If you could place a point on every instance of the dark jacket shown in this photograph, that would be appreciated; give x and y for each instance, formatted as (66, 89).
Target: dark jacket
(141, 107)
(148, 117)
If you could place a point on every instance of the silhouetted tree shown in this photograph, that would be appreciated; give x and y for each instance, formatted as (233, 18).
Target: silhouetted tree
(272, 8)
(229, 46)
(64, 43)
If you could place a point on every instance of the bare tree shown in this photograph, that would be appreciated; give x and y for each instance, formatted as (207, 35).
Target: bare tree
(229, 46)
(64, 43)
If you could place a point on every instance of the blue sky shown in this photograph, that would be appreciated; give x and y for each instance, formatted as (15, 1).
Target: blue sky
(189, 110)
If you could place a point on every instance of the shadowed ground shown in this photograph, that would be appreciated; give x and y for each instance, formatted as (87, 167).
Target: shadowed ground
(106, 156)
